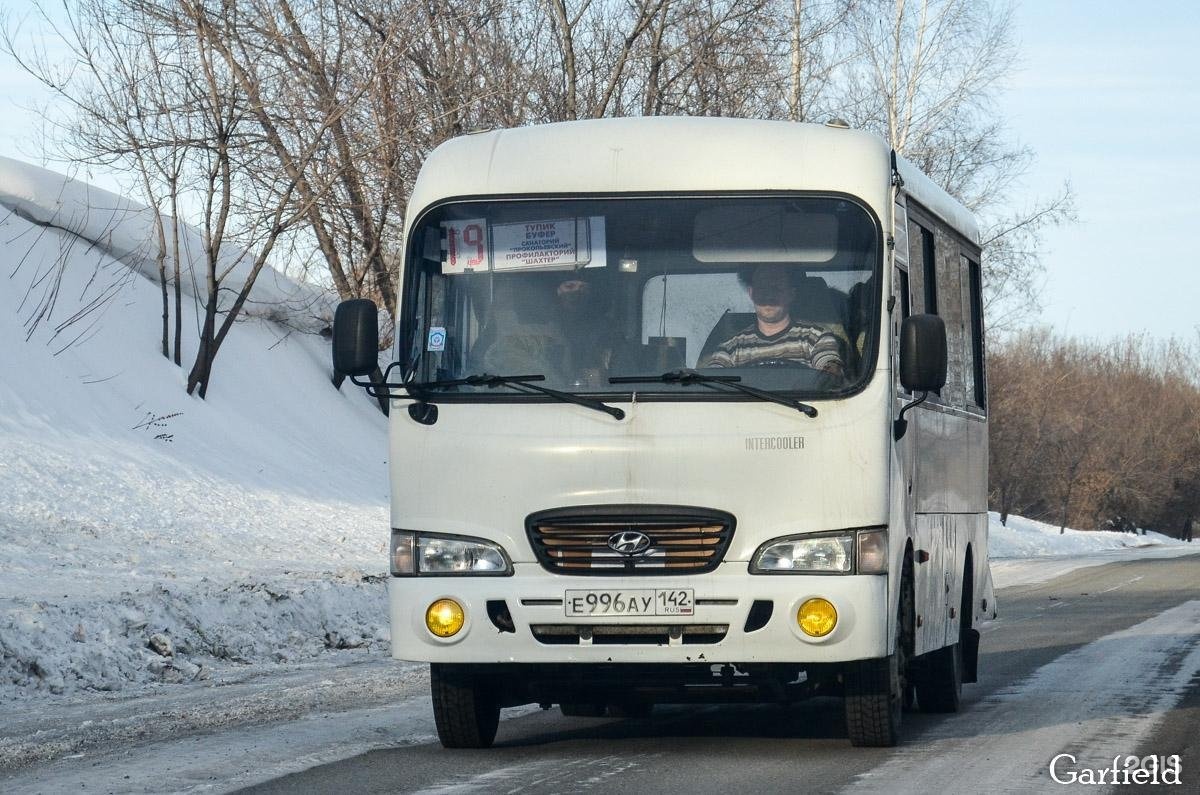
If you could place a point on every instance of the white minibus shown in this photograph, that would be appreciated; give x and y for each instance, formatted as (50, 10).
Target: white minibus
(683, 410)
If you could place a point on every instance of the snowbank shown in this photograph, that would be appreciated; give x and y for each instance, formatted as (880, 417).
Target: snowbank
(243, 530)
(1024, 538)
(124, 230)
(175, 632)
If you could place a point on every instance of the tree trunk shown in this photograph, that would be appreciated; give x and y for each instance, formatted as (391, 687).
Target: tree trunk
(178, 356)
(202, 367)
(1066, 504)
(166, 319)
(794, 109)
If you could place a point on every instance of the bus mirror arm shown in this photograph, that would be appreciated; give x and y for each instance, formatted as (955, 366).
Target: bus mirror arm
(900, 426)
(421, 411)
(381, 388)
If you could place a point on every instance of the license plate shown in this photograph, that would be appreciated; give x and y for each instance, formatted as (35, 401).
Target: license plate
(632, 602)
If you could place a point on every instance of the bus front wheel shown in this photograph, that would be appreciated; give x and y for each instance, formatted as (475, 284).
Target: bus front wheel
(876, 690)
(465, 708)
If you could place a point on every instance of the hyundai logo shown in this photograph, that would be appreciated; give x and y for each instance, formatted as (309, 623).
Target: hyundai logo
(629, 542)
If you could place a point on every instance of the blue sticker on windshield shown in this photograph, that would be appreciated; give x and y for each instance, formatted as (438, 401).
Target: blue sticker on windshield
(437, 339)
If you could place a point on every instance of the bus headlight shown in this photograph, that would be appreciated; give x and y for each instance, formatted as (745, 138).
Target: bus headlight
(435, 554)
(831, 554)
(861, 551)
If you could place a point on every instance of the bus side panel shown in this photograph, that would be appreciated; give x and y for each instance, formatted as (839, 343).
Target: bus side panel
(950, 502)
(932, 530)
(951, 475)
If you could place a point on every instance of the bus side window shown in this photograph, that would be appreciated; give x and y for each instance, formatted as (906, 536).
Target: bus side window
(929, 262)
(952, 309)
(903, 299)
(978, 393)
(923, 254)
(922, 260)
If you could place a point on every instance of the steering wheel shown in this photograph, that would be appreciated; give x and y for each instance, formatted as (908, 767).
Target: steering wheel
(782, 363)
(821, 379)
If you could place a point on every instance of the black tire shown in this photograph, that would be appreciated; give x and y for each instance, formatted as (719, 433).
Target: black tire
(465, 708)
(580, 709)
(876, 691)
(939, 688)
(874, 703)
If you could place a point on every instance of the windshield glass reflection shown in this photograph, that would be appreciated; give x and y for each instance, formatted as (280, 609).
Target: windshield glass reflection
(781, 292)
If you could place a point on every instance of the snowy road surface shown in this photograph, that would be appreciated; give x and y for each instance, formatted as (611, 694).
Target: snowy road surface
(1098, 662)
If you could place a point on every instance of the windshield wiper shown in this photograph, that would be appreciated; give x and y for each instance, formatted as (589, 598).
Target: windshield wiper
(521, 384)
(689, 377)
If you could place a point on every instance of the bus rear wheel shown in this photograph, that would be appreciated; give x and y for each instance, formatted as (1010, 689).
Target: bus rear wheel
(942, 672)
(939, 686)
(465, 708)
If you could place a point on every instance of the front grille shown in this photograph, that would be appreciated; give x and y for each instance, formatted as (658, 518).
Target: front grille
(629, 634)
(682, 540)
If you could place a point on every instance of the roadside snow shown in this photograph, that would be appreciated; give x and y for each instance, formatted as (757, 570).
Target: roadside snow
(1026, 538)
(1027, 551)
(243, 530)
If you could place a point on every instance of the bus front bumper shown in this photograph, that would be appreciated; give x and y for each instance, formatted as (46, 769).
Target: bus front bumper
(523, 619)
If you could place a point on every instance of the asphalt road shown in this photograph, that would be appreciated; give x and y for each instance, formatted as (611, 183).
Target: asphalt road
(1012, 722)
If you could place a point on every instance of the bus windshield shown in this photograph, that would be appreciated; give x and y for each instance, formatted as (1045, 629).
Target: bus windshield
(780, 291)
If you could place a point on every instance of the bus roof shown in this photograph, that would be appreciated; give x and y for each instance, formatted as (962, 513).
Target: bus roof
(674, 154)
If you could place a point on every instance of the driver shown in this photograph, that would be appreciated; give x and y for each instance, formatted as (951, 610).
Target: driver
(775, 336)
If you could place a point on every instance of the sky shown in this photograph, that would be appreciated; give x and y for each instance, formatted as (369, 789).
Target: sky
(1108, 96)
(1106, 93)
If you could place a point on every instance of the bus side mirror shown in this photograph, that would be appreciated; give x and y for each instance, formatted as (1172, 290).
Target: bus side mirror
(356, 337)
(923, 353)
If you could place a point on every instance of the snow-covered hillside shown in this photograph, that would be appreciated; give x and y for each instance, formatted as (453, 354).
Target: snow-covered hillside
(248, 528)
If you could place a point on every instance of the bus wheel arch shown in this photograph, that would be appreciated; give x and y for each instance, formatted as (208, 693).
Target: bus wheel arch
(968, 635)
(939, 675)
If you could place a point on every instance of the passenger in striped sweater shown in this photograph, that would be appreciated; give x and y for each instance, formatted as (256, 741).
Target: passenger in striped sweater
(775, 336)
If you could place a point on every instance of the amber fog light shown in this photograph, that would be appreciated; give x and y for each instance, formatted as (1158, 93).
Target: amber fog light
(445, 618)
(817, 617)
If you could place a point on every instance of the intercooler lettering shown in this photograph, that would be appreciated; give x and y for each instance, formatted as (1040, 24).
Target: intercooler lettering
(763, 443)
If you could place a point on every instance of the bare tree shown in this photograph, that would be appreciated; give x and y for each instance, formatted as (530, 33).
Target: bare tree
(926, 76)
(116, 83)
(815, 54)
(145, 89)
(1085, 431)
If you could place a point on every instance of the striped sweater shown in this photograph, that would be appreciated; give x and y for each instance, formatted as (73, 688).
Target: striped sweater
(801, 342)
